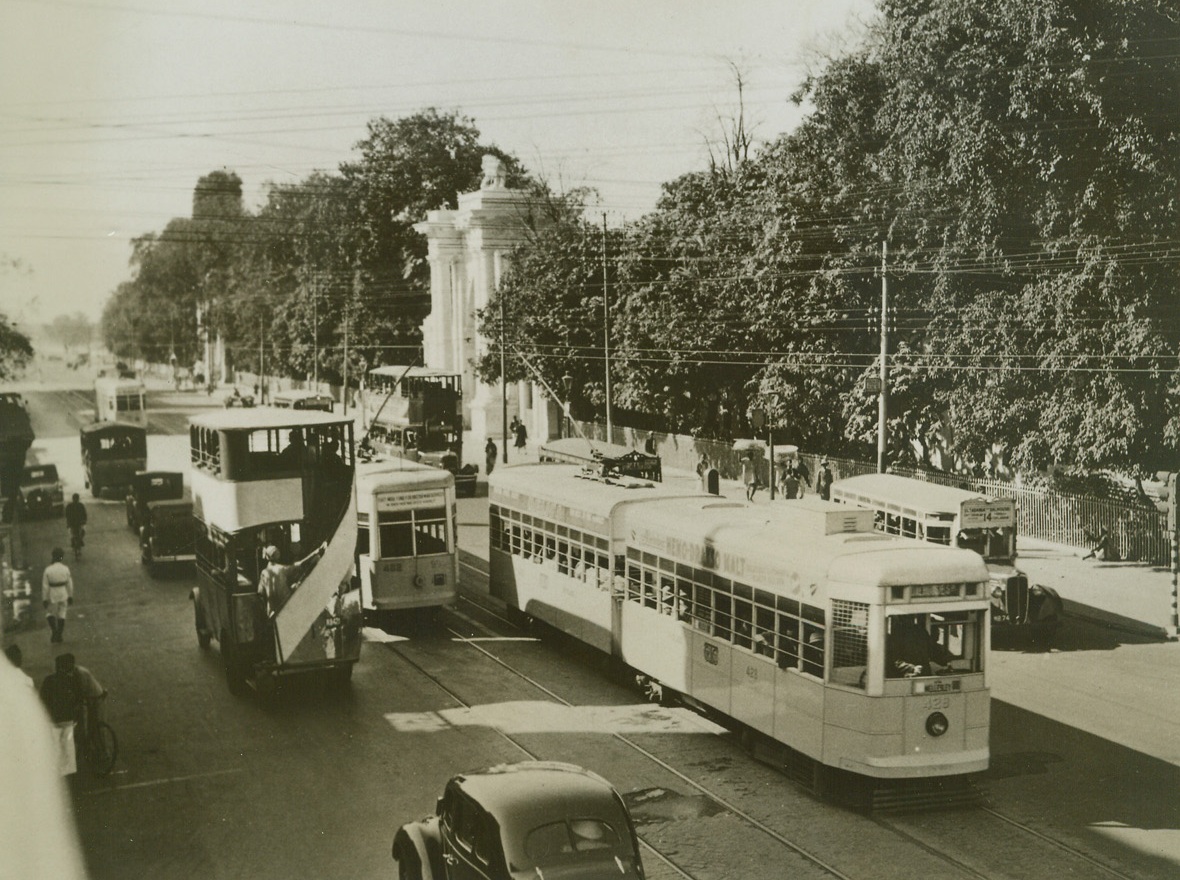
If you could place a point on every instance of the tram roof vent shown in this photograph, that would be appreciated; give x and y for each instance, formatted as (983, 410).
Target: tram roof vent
(820, 517)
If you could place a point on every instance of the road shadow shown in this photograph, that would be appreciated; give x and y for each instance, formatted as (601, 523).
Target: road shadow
(1074, 634)
(1082, 786)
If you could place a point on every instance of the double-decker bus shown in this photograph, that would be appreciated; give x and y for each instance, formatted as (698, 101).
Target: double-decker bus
(960, 518)
(407, 526)
(854, 660)
(120, 400)
(274, 501)
(417, 413)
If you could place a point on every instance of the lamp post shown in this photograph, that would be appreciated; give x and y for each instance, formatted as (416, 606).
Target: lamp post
(567, 381)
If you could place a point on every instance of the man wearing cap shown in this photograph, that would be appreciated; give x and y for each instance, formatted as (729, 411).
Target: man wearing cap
(57, 593)
(823, 481)
(273, 583)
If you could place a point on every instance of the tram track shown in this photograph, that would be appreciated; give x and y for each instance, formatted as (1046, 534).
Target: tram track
(749, 820)
(895, 825)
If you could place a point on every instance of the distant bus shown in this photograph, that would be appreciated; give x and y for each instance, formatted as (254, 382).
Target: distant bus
(417, 413)
(407, 551)
(302, 400)
(120, 400)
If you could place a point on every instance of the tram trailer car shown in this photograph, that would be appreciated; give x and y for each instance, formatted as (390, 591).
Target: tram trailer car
(855, 661)
(407, 528)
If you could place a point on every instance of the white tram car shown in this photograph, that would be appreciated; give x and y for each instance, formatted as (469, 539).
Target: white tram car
(407, 526)
(856, 660)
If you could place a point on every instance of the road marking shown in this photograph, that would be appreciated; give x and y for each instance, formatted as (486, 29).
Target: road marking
(168, 781)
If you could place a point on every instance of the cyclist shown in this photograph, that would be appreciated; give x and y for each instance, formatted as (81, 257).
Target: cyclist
(76, 522)
(72, 693)
(57, 593)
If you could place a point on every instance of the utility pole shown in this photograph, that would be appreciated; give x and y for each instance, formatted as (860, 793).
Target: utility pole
(503, 388)
(315, 320)
(344, 371)
(261, 366)
(606, 332)
(883, 396)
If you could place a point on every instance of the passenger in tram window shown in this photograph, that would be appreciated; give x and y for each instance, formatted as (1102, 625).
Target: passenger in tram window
(910, 650)
(813, 650)
(667, 596)
(291, 458)
(762, 643)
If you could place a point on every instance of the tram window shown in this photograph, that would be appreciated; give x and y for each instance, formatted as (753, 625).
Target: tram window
(362, 534)
(743, 621)
(972, 539)
(702, 607)
(813, 649)
(516, 541)
(649, 588)
(788, 642)
(723, 616)
(939, 534)
(396, 535)
(667, 595)
(892, 524)
(563, 557)
(788, 606)
(430, 537)
(634, 590)
(684, 598)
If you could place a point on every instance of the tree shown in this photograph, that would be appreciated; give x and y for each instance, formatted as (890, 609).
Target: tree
(15, 349)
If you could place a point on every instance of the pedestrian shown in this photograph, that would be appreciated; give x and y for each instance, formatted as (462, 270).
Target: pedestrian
(1102, 545)
(823, 481)
(804, 473)
(649, 445)
(57, 593)
(702, 465)
(76, 521)
(749, 474)
(490, 451)
(522, 435)
(790, 485)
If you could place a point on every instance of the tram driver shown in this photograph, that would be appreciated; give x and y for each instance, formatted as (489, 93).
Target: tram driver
(910, 650)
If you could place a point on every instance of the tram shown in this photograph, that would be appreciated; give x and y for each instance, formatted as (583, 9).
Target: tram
(960, 518)
(407, 549)
(856, 661)
(417, 413)
(274, 496)
(120, 400)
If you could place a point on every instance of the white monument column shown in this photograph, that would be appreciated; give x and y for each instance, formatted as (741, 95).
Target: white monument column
(468, 249)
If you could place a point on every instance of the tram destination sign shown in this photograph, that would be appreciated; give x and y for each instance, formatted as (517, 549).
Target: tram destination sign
(985, 513)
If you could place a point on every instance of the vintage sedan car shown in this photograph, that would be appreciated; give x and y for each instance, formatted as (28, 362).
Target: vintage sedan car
(532, 819)
(41, 491)
(237, 398)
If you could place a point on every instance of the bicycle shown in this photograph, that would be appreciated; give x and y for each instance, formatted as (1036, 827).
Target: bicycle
(97, 745)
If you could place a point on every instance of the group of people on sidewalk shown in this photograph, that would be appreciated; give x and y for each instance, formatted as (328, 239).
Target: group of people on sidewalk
(791, 477)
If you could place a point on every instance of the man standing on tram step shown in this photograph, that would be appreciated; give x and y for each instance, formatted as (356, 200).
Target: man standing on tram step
(823, 481)
(57, 593)
(490, 451)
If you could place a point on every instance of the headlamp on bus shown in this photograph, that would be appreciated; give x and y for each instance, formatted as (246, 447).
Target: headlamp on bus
(937, 724)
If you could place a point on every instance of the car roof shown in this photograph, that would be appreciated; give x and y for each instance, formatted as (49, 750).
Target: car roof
(531, 793)
(49, 469)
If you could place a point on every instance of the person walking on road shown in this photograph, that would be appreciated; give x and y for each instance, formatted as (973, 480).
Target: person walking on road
(57, 593)
(76, 522)
(823, 481)
(490, 451)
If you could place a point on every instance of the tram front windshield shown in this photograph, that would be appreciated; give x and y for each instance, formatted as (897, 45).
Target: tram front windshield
(993, 544)
(946, 643)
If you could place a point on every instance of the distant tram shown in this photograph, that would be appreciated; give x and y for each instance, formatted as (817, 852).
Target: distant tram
(407, 551)
(417, 413)
(856, 661)
(960, 518)
(120, 400)
(274, 509)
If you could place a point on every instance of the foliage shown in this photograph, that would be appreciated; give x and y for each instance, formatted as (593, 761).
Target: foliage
(15, 349)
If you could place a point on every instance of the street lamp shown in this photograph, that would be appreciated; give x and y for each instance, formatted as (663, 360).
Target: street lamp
(567, 381)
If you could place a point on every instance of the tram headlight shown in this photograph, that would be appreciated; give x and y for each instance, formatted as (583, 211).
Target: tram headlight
(937, 724)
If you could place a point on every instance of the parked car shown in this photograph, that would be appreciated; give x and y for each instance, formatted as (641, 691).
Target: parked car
(41, 491)
(237, 398)
(532, 819)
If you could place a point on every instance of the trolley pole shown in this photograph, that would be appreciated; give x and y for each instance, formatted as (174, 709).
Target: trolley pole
(503, 389)
(883, 397)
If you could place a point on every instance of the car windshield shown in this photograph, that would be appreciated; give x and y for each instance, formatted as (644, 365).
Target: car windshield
(45, 474)
(572, 840)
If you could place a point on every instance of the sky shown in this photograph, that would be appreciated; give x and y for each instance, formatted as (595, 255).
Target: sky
(111, 111)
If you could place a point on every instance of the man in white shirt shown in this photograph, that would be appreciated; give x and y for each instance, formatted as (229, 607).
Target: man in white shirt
(57, 593)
